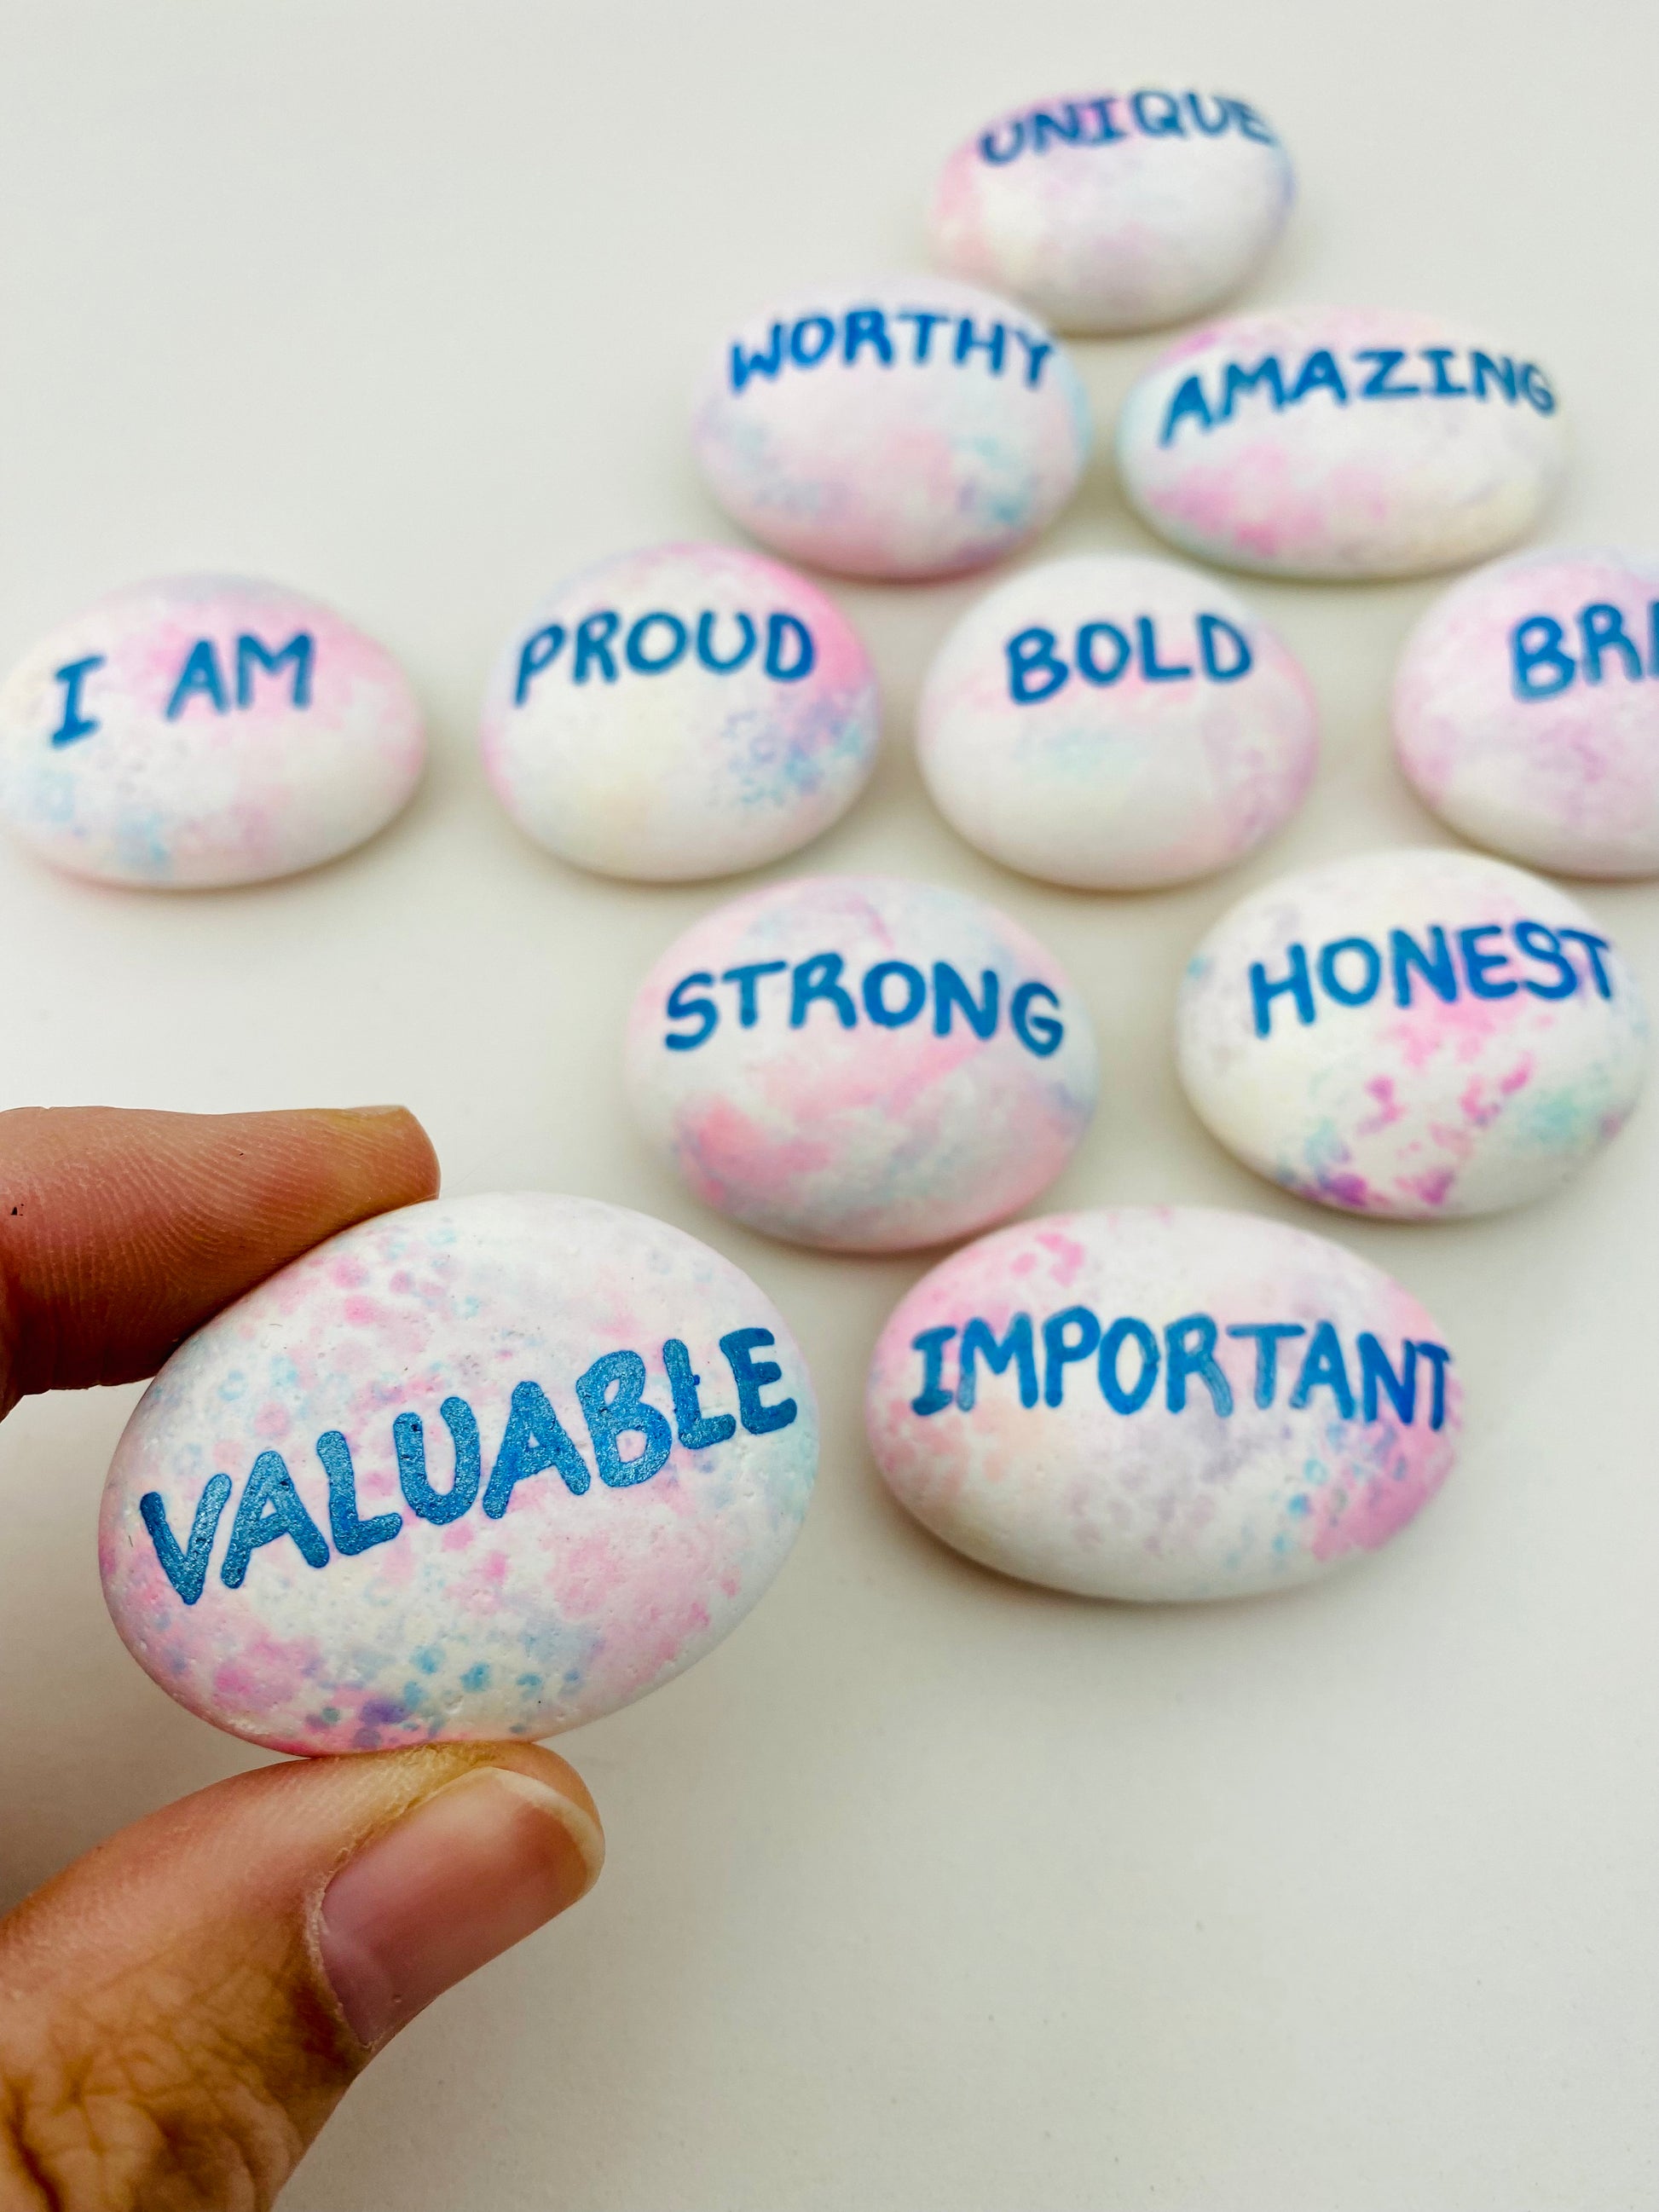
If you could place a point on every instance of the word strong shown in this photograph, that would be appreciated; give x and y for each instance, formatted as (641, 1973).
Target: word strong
(221, 681)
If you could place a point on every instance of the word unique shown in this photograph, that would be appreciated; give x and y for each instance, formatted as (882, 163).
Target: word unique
(611, 1396)
(1185, 1352)
(1349, 970)
(1374, 372)
(203, 675)
(1542, 667)
(1104, 651)
(1148, 115)
(860, 331)
(655, 642)
(893, 993)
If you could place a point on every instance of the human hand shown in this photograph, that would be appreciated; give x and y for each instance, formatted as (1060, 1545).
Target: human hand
(182, 2009)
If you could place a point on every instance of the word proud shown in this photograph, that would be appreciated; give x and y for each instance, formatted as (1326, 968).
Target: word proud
(893, 994)
(1185, 1353)
(1117, 116)
(1349, 971)
(1373, 372)
(203, 674)
(610, 1393)
(1102, 652)
(902, 338)
(655, 642)
(1541, 667)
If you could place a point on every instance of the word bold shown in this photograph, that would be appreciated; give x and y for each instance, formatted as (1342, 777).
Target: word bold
(1104, 651)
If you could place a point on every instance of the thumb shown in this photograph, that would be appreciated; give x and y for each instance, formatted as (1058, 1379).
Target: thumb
(182, 2009)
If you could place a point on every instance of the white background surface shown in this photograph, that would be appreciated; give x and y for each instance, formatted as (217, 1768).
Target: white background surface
(926, 1890)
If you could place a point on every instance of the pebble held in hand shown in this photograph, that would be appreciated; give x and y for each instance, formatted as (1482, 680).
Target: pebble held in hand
(1340, 442)
(1162, 1402)
(861, 1063)
(1114, 724)
(1420, 1035)
(200, 732)
(1118, 211)
(481, 1468)
(681, 712)
(913, 428)
(1526, 711)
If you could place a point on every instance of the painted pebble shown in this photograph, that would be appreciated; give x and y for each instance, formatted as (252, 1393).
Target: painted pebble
(914, 428)
(1162, 1402)
(1340, 442)
(1420, 1035)
(1526, 711)
(1118, 211)
(1114, 723)
(686, 711)
(861, 1063)
(486, 1467)
(204, 731)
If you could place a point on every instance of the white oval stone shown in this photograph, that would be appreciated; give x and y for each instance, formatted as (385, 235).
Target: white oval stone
(1115, 723)
(861, 1063)
(1420, 1035)
(204, 731)
(913, 428)
(1340, 442)
(486, 1467)
(1526, 710)
(1115, 211)
(686, 711)
(1162, 1402)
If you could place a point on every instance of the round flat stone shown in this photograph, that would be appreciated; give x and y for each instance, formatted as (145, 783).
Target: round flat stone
(204, 731)
(916, 427)
(1526, 710)
(1115, 723)
(1162, 1402)
(861, 1063)
(1117, 210)
(1416, 1034)
(683, 712)
(487, 1468)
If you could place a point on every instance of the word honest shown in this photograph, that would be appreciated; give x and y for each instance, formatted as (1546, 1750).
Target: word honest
(1349, 971)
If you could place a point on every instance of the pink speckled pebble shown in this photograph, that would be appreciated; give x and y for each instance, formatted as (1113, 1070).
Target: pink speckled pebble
(861, 1063)
(1418, 1034)
(1526, 710)
(685, 711)
(1115, 723)
(204, 731)
(486, 1467)
(1162, 1402)
(1340, 442)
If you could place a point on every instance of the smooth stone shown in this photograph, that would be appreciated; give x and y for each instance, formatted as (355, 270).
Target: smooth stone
(1420, 1035)
(861, 1063)
(1526, 711)
(1162, 1403)
(1115, 211)
(682, 711)
(1340, 442)
(204, 731)
(1114, 723)
(914, 426)
(487, 1468)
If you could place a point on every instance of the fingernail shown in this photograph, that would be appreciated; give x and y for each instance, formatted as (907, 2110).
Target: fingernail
(368, 1112)
(470, 1872)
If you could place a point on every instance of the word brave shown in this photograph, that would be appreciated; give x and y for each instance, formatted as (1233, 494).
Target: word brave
(869, 332)
(201, 675)
(1389, 372)
(893, 993)
(1187, 1354)
(1147, 114)
(611, 1396)
(1542, 666)
(657, 641)
(1104, 652)
(1349, 970)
